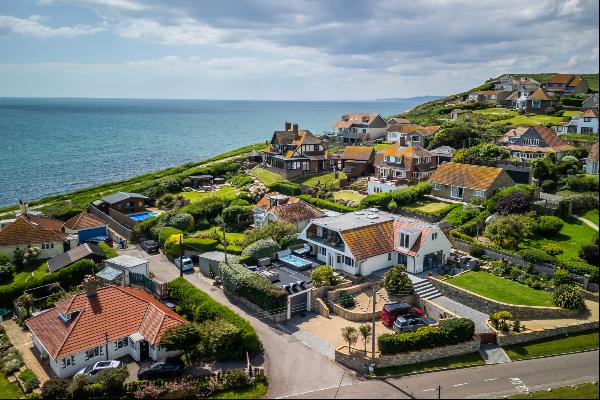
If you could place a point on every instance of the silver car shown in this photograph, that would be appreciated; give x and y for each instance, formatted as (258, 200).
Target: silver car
(404, 324)
(91, 371)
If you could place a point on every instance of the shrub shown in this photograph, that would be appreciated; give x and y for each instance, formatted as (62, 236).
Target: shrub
(218, 338)
(11, 362)
(396, 282)
(457, 330)
(500, 319)
(491, 203)
(166, 201)
(6, 272)
(561, 277)
(329, 205)
(508, 231)
(276, 230)
(537, 256)
(181, 221)
(548, 225)
(55, 388)
(285, 187)
(589, 252)
(569, 297)
(580, 268)
(516, 202)
(552, 249)
(197, 306)
(173, 247)
(376, 200)
(261, 248)
(237, 218)
(29, 379)
(109, 252)
(582, 183)
(322, 276)
(241, 180)
(252, 286)
(166, 233)
(476, 251)
(346, 300)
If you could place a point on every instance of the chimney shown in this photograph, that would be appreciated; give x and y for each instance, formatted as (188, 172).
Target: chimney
(287, 126)
(90, 286)
(24, 207)
(295, 130)
(536, 188)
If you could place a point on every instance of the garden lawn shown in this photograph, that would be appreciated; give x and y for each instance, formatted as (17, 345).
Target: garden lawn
(530, 120)
(255, 391)
(348, 195)
(8, 390)
(583, 391)
(591, 216)
(547, 347)
(570, 113)
(448, 362)
(228, 192)
(37, 269)
(495, 110)
(267, 177)
(571, 237)
(232, 237)
(427, 206)
(501, 289)
(329, 180)
(381, 146)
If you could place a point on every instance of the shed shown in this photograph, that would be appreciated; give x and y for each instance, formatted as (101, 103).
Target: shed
(201, 180)
(254, 156)
(87, 250)
(209, 262)
(128, 265)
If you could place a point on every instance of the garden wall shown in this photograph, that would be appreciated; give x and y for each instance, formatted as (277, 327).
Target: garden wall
(320, 307)
(354, 316)
(335, 294)
(489, 306)
(506, 339)
(277, 317)
(114, 225)
(436, 312)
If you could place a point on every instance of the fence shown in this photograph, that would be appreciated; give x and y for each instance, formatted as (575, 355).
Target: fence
(150, 285)
(121, 229)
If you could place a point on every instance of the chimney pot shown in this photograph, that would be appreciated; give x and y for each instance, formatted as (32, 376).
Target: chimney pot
(90, 286)
(295, 130)
(287, 126)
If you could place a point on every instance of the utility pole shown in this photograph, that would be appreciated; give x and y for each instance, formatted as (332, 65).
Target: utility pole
(181, 255)
(439, 392)
(373, 335)
(106, 344)
(224, 239)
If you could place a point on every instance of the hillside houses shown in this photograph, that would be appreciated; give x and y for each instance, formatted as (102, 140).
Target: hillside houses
(406, 134)
(527, 143)
(566, 84)
(359, 127)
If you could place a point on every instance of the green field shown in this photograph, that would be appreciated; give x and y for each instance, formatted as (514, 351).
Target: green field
(530, 120)
(500, 289)
(570, 113)
(583, 391)
(592, 216)
(37, 269)
(328, 180)
(579, 136)
(267, 177)
(225, 192)
(427, 206)
(232, 237)
(8, 390)
(448, 362)
(348, 195)
(571, 237)
(547, 347)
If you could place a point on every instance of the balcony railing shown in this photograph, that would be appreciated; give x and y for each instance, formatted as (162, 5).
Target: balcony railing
(332, 241)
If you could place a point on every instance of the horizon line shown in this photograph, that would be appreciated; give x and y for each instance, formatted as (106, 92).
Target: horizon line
(390, 99)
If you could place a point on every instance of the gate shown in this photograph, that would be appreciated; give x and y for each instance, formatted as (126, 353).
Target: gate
(298, 303)
(151, 286)
(488, 337)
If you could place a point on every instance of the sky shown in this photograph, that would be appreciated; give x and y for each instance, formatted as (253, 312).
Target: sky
(286, 50)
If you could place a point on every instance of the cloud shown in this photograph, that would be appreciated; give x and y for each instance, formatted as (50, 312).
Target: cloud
(33, 26)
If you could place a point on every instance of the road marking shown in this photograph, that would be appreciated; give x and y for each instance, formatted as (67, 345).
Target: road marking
(313, 391)
(519, 385)
(460, 384)
(429, 390)
(490, 379)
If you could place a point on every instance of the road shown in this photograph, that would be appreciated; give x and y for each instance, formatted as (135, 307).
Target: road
(489, 381)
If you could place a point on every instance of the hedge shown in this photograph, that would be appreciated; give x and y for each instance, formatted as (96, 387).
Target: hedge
(571, 101)
(231, 249)
(68, 277)
(451, 331)
(285, 187)
(254, 287)
(330, 205)
(166, 233)
(581, 268)
(261, 248)
(537, 256)
(198, 306)
(401, 197)
(172, 248)
(442, 211)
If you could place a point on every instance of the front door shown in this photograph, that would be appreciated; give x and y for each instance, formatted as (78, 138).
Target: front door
(144, 350)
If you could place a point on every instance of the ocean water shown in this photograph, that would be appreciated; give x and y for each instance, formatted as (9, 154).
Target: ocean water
(54, 145)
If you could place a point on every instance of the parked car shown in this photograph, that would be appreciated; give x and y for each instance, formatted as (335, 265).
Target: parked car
(91, 371)
(188, 264)
(149, 246)
(409, 324)
(161, 369)
(100, 239)
(391, 311)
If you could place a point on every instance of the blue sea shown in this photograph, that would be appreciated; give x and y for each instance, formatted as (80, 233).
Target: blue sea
(55, 145)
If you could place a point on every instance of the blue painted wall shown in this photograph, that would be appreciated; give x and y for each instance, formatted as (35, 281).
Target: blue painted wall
(86, 234)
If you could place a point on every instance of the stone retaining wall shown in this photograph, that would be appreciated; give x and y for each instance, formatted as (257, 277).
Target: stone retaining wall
(489, 306)
(321, 292)
(437, 312)
(321, 308)
(506, 339)
(354, 316)
(335, 294)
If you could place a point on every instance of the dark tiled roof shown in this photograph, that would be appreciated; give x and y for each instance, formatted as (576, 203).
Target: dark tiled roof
(120, 196)
(75, 254)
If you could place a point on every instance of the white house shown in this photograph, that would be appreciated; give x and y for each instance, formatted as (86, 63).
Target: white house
(587, 122)
(357, 127)
(366, 241)
(591, 164)
(101, 324)
(34, 231)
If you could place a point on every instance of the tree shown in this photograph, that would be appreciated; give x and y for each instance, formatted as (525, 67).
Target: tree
(261, 248)
(481, 153)
(56, 388)
(396, 282)
(350, 335)
(365, 333)
(184, 338)
(276, 230)
(110, 382)
(461, 135)
(509, 231)
(26, 301)
(322, 276)
(516, 202)
(589, 252)
(545, 168)
(6, 272)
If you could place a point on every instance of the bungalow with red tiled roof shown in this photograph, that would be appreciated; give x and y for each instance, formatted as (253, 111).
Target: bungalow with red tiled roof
(279, 207)
(527, 143)
(294, 152)
(358, 127)
(362, 242)
(101, 324)
(85, 226)
(566, 84)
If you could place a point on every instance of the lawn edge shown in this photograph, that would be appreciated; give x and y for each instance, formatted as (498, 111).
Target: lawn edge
(555, 355)
(424, 372)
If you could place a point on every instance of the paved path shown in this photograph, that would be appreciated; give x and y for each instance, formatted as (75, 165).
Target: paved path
(587, 222)
(488, 381)
(492, 354)
(21, 340)
(462, 310)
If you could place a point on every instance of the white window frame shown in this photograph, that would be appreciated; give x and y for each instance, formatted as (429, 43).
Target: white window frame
(436, 186)
(457, 190)
(478, 193)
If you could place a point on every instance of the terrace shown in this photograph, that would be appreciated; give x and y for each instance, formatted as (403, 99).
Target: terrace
(326, 237)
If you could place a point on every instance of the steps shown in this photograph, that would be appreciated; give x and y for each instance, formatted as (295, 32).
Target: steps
(425, 290)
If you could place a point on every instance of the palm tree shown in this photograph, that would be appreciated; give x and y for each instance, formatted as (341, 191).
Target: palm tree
(350, 335)
(365, 333)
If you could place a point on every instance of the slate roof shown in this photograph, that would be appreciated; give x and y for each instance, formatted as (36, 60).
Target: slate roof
(465, 175)
(444, 151)
(75, 254)
(120, 196)
(25, 232)
(116, 311)
(360, 153)
(83, 221)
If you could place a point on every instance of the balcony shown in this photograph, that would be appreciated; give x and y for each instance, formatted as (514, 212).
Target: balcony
(329, 239)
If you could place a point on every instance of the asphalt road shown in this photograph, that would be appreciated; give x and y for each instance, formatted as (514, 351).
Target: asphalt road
(489, 381)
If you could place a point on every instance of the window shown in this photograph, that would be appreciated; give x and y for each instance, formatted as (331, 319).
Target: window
(434, 236)
(415, 138)
(389, 256)
(323, 251)
(536, 104)
(587, 119)
(120, 343)
(404, 240)
(587, 129)
(386, 158)
(68, 361)
(306, 165)
(479, 193)
(364, 131)
(339, 258)
(349, 261)
(436, 186)
(95, 352)
(531, 142)
(456, 192)
(559, 128)
(399, 174)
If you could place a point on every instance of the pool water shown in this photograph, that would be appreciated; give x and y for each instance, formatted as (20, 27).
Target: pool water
(295, 261)
(142, 216)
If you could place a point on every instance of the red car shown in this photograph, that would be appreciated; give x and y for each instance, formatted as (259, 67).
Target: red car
(391, 311)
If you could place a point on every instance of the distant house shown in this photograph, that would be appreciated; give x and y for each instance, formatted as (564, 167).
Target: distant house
(278, 207)
(83, 251)
(293, 152)
(590, 103)
(527, 143)
(507, 83)
(537, 102)
(443, 153)
(85, 226)
(101, 324)
(362, 242)
(126, 202)
(528, 84)
(566, 84)
(587, 122)
(466, 182)
(496, 97)
(357, 160)
(398, 121)
(410, 134)
(357, 127)
(591, 164)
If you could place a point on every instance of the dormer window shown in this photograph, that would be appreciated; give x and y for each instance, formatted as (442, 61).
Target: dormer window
(66, 317)
(404, 240)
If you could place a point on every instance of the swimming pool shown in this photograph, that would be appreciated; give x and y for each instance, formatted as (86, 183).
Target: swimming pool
(296, 262)
(142, 216)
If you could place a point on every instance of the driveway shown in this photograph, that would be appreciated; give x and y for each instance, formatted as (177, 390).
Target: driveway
(160, 266)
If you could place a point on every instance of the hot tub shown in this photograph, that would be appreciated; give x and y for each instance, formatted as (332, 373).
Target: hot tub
(295, 262)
